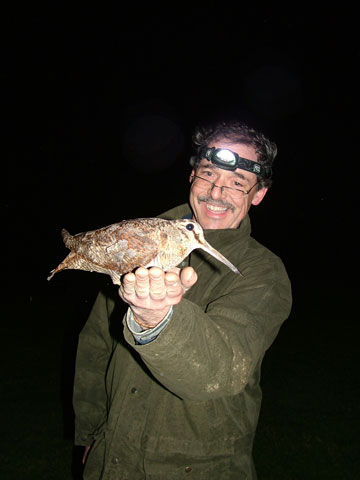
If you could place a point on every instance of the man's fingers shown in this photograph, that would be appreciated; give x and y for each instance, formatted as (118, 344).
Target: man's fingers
(171, 278)
(142, 282)
(188, 277)
(173, 284)
(157, 286)
(154, 285)
(178, 285)
(128, 283)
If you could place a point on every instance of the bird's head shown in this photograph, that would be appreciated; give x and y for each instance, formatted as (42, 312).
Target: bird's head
(192, 237)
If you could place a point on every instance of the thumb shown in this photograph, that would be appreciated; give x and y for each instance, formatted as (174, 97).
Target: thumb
(188, 277)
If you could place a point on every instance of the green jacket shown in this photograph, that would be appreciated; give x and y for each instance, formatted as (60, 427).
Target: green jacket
(185, 405)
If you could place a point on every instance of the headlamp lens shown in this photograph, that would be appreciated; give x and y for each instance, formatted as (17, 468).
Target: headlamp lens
(225, 156)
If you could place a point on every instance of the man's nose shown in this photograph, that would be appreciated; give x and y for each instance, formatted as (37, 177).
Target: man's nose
(216, 191)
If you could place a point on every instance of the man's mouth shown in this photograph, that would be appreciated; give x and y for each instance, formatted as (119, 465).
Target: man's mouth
(216, 209)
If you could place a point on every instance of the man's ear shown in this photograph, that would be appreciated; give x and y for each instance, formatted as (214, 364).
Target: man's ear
(191, 178)
(259, 195)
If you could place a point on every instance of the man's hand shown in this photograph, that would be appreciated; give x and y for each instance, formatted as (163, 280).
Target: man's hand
(86, 452)
(151, 292)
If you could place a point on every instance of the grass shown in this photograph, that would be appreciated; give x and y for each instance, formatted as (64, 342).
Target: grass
(309, 421)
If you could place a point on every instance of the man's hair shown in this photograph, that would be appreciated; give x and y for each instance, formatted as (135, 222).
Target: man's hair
(237, 132)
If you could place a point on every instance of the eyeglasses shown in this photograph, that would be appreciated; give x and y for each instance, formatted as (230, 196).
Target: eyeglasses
(205, 184)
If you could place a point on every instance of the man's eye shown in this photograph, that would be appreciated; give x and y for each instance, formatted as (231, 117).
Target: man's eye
(207, 173)
(237, 184)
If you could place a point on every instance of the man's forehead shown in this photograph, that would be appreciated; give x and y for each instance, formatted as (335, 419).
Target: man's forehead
(245, 150)
(204, 163)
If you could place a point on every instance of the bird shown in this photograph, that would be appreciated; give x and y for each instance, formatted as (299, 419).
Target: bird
(121, 247)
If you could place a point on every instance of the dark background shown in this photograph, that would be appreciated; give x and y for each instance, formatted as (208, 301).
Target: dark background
(99, 107)
(101, 104)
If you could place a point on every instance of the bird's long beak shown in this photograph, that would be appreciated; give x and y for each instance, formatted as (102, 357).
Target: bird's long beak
(209, 249)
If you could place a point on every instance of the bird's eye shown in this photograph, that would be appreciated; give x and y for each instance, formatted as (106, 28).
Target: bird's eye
(190, 226)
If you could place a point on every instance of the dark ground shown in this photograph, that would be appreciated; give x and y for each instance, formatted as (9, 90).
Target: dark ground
(99, 110)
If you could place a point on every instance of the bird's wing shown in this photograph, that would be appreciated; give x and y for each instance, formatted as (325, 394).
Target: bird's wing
(120, 247)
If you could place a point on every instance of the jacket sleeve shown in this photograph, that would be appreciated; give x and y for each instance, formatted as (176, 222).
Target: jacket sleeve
(93, 354)
(213, 351)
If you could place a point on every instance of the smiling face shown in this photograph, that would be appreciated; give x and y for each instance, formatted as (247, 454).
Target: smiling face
(214, 207)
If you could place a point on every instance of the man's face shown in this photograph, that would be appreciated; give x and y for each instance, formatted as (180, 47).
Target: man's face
(215, 209)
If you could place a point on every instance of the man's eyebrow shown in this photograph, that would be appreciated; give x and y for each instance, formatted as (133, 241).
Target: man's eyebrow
(214, 167)
(207, 165)
(240, 175)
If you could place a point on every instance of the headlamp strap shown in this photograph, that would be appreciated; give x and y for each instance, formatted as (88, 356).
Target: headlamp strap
(229, 160)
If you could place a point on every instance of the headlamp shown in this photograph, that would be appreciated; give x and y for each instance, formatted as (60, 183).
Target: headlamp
(229, 160)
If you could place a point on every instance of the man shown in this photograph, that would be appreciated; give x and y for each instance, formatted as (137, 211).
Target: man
(176, 394)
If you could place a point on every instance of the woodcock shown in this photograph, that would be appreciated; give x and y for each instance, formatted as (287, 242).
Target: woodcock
(119, 248)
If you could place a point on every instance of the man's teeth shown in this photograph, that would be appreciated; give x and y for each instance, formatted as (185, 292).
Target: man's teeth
(213, 208)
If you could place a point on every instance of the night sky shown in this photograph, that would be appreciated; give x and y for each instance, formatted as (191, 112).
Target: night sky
(100, 105)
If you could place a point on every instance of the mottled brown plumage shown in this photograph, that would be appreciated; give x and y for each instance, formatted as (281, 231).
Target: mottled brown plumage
(121, 247)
